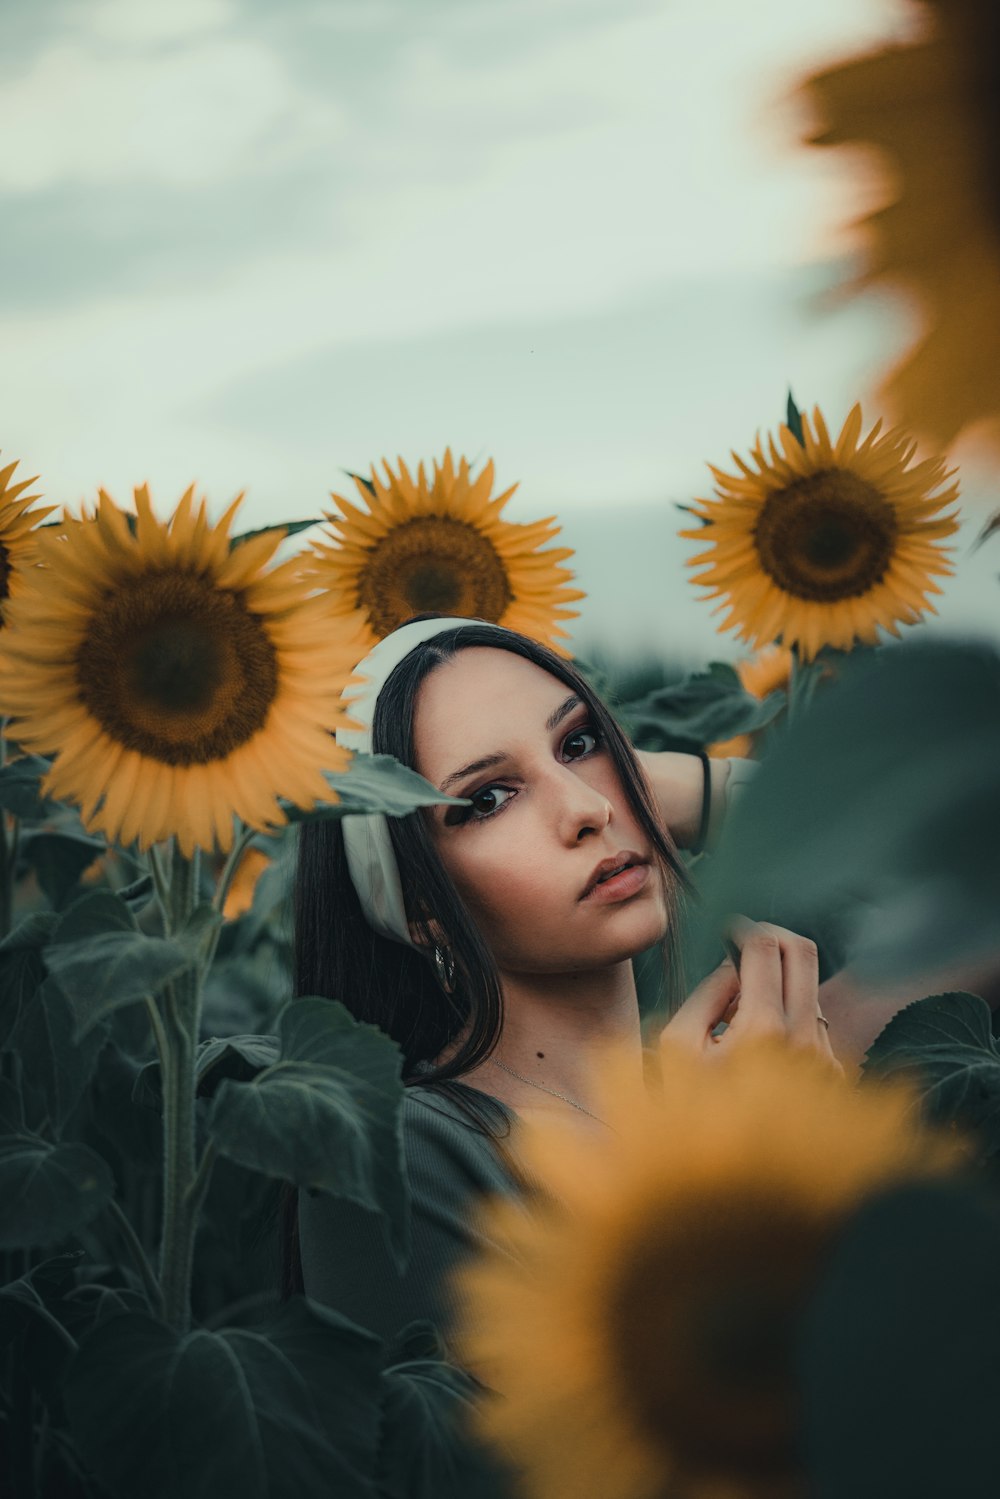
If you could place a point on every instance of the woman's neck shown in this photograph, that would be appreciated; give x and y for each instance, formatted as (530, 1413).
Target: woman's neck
(556, 1027)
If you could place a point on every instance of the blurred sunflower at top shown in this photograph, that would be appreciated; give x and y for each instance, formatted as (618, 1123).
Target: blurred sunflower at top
(821, 542)
(929, 112)
(439, 544)
(179, 681)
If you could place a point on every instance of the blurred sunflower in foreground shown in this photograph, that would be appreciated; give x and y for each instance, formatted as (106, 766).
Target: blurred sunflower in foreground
(177, 680)
(634, 1321)
(767, 671)
(440, 545)
(17, 538)
(929, 110)
(825, 541)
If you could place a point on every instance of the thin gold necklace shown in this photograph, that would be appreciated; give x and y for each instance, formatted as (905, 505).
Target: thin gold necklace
(532, 1084)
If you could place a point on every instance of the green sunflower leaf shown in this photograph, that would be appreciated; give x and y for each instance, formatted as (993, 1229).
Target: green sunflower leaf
(23, 1306)
(326, 1115)
(139, 893)
(11, 1108)
(375, 783)
(360, 479)
(22, 967)
(291, 528)
(239, 1057)
(48, 1191)
(57, 1061)
(690, 510)
(880, 802)
(703, 708)
(101, 960)
(426, 1451)
(20, 787)
(990, 528)
(945, 1042)
(793, 420)
(897, 1375)
(282, 1410)
(59, 854)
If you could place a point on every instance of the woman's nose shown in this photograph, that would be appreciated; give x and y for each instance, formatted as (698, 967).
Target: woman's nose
(581, 808)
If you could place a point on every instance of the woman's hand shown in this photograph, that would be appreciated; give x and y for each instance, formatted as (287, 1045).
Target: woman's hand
(775, 992)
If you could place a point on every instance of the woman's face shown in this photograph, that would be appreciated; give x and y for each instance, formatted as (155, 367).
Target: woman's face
(548, 810)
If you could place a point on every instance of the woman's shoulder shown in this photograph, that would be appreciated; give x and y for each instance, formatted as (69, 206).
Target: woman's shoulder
(441, 1099)
(444, 1138)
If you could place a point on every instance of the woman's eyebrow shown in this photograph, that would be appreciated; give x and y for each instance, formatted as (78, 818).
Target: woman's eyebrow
(488, 761)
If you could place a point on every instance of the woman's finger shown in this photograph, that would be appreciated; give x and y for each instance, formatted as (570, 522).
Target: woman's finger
(705, 1006)
(761, 1008)
(800, 985)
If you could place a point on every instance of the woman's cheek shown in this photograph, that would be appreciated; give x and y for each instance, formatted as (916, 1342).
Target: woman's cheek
(507, 891)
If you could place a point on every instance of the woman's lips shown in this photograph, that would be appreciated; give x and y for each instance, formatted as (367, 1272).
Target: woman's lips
(620, 886)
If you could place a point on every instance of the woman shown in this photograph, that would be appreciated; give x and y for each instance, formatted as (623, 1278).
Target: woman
(494, 941)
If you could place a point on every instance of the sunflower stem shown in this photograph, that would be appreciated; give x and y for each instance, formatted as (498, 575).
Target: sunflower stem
(8, 859)
(159, 1034)
(793, 682)
(181, 1030)
(198, 1188)
(240, 845)
(162, 887)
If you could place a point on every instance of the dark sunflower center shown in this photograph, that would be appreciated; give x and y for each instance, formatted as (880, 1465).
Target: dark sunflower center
(828, 536)
(433, 564)
(177, 669)
(703, 1342)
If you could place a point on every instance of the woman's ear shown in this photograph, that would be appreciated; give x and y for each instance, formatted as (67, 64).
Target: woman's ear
(427, 933)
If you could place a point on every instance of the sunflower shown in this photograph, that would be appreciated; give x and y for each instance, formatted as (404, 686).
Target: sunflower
(928, 111)
(765, 672)
(440, 546)
(176, 679)
(824, 542)
(17, 538)
(633, 1318)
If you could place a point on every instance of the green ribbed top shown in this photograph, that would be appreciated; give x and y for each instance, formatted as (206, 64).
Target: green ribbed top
(346, 1260)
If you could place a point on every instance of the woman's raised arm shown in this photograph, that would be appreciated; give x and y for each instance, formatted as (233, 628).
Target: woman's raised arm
(678, 781)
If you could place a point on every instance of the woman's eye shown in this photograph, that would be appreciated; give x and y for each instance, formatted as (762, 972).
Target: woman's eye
(489, 800)
(581, 742)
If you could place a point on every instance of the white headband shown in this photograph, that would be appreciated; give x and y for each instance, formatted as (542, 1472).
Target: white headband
(371, 861)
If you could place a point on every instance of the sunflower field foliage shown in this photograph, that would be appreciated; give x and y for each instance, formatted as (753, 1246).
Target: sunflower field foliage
(171, 694)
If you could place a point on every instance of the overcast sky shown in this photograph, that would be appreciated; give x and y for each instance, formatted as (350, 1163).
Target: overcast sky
(254, 244)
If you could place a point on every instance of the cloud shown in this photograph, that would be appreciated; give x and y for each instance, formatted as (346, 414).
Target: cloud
(139, 100)
(146, 21)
